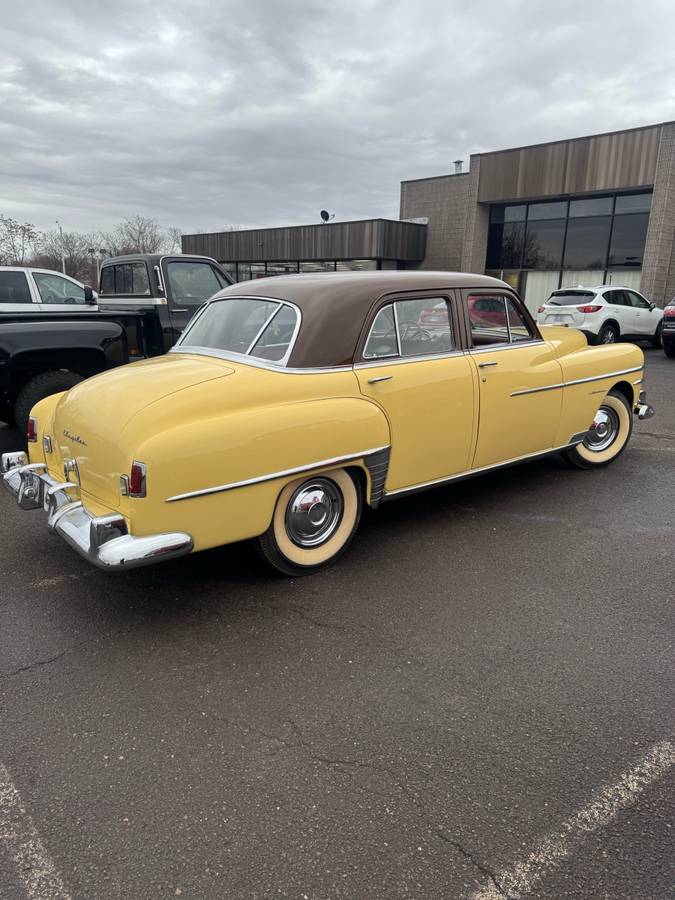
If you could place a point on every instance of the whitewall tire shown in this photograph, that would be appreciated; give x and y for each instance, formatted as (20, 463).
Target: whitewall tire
(608, 436)
(314, 520)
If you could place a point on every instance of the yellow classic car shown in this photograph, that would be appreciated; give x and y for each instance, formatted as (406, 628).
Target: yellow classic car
(290, 402)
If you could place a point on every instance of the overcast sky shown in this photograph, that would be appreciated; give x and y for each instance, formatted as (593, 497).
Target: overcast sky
(265, 111)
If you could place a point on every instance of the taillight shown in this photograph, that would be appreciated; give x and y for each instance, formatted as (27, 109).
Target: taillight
(137, 479)
(589, 309)
(669, 312)
(541, 309)
(32, 430)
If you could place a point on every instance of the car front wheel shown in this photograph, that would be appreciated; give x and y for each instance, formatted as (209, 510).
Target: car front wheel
(313, 523)
(608, 435)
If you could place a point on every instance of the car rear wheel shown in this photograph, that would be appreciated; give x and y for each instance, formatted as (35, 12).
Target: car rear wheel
(608, 435)
(669, 349)
(608, 334)
(313, 523)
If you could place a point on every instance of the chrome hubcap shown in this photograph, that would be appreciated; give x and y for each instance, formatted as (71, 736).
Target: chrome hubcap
(603, 431)
(314, 512)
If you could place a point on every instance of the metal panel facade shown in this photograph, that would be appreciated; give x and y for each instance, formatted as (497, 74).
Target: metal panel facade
(618, 161)
(369, 239)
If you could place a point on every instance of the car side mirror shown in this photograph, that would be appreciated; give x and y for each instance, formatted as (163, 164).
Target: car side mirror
(90, 295)
(652, 306)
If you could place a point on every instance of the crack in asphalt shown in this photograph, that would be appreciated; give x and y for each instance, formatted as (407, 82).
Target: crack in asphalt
(482, 868)
(39, 663)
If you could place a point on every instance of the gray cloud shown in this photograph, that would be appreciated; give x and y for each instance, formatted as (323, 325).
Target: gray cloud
(263, 112)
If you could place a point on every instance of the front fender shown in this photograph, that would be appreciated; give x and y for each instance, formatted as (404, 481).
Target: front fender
(235, 465)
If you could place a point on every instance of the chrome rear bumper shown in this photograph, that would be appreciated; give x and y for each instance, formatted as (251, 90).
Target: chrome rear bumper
(102, 540)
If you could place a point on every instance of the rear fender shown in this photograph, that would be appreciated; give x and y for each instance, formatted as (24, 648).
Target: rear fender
(265, 446)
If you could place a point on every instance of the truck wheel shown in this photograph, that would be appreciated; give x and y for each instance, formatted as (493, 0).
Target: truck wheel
(36, 389)
(314, 520)
(607, 438)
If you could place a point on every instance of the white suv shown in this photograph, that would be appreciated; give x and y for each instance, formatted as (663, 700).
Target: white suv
(27, 289)
(605, 314)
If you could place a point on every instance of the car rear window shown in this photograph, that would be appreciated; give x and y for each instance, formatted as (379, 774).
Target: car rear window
(569, 298)
(251, 326)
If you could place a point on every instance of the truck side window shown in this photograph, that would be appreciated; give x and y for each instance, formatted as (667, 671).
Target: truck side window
(14, 288)
(192, 283)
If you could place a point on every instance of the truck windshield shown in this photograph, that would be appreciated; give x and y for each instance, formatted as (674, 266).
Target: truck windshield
(251, 326)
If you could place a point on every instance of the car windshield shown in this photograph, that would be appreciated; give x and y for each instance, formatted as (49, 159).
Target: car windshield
(252, 326)
(569, 298)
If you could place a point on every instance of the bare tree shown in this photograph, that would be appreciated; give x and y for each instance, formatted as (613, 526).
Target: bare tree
(136, 234)
(174, 242)
(16, 241)
(75, 249)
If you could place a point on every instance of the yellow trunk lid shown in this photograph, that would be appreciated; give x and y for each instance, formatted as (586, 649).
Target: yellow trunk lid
(91, 417)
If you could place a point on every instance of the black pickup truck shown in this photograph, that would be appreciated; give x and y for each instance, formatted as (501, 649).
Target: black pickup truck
(144, 303)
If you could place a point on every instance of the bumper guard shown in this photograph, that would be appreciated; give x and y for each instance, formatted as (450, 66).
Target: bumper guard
(102, 540)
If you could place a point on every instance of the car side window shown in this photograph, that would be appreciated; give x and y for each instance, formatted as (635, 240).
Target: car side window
(14, 288)
(423, 326)
(496, 320)
(410, 328)
(636, 300)
(615, 298)
(54, 289)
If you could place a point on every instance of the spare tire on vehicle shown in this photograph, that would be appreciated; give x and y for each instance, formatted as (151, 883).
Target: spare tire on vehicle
(39, 387)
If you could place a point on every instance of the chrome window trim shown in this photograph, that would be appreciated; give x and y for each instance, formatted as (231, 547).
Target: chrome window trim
(497, 348)
(230, 356)
(468, 473)
(262, 328)
(272, 476)
(400, 360)
(278, 365)
(564, 384)
(391, 356)
(397, 329)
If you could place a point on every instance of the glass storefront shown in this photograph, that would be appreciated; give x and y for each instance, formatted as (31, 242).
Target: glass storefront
(541, 246)
(244, 271)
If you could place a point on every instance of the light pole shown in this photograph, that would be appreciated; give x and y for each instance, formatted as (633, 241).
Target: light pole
(97, 256)
(63, 258)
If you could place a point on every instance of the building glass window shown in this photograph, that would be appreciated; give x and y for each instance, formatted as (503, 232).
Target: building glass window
(630, 203)
(587, 243)
(591, 206)
(544, 243)
(628, 239)
(555, 210)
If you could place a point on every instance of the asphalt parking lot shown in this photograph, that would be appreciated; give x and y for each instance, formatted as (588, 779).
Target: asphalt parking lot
(476, 702)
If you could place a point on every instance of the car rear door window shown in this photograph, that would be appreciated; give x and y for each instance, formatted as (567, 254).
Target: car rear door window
(14, 288)
(410, 328)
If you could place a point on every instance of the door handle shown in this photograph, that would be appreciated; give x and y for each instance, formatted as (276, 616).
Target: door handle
(380, 378)
(486, 364)
(179, 310)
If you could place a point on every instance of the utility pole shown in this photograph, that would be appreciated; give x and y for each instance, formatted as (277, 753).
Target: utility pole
(63, 258)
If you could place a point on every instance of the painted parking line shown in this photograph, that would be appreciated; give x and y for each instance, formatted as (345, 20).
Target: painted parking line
(18, 836)
(557, 846)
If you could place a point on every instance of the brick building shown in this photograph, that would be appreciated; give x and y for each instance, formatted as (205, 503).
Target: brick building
(590, 210)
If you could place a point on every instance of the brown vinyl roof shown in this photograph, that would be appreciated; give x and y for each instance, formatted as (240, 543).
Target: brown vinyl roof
(334, 305)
